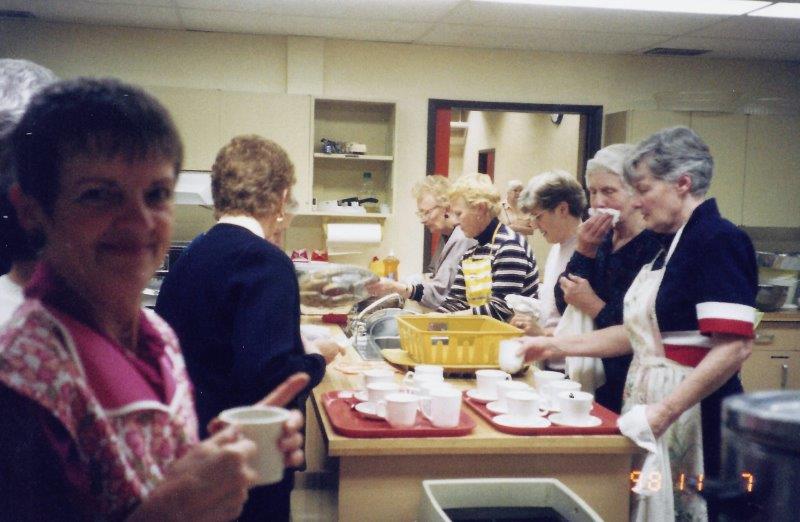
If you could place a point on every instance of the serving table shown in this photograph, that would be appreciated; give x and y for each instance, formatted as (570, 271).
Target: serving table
(381, 478)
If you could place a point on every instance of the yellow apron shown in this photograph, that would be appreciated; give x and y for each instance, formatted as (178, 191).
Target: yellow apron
(477, 271)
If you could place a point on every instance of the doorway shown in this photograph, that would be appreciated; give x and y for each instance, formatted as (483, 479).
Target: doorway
(486, 162)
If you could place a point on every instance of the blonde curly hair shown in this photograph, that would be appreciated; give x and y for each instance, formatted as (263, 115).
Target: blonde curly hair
(250, 176)
(476, 188)
(436, 185)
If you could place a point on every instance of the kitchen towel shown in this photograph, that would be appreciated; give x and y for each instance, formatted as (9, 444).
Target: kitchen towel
(586, 370)
(653, 501)
(350, 233)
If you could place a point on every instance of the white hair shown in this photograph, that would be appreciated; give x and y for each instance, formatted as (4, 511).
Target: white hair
(19, 81)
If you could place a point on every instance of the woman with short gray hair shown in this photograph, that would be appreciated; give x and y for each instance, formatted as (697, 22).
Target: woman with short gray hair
(688, 317)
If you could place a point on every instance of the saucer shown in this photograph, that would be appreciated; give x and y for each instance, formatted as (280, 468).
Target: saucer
(590, 422)
(510, 421)
(497, 408)
(361, 395)
(367, 409)
(479, 396)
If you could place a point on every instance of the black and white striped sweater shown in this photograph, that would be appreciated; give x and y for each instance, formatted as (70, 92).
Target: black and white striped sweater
(514, 271)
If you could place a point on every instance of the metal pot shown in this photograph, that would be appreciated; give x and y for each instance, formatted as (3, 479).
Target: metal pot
(771, 297)
(760, 477)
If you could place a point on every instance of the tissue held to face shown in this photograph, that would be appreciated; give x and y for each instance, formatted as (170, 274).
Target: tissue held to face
(608, 191)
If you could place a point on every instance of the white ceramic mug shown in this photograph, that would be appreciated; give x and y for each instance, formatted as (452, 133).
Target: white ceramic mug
(442, 407)
(504, 387)
(508, 359)
(553, 388)
(424, 372)
(377, 375)
(424, 388)
(486, 381)
(399, 409)
(576, 406)
(263, 425)
(542, 377)
(524, 404)
(378, 391)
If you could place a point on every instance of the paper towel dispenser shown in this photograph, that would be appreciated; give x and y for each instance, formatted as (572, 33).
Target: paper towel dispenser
(193, 188)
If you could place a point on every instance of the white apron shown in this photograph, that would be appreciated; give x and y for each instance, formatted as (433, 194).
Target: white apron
(652, 377)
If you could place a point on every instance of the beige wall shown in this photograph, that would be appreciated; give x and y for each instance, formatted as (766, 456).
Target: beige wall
(408, 74)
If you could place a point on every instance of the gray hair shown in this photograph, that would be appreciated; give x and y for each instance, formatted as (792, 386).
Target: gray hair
(548, 189)
(19, 81)
(670, 153)
(434, 184)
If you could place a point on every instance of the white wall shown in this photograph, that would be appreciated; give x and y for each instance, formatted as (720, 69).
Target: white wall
(409, 74)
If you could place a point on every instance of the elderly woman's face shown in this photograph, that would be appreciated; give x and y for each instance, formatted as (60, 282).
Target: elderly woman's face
(431, 214)
(659, 201)
(111, 223)
(472, 219)
(607, 190)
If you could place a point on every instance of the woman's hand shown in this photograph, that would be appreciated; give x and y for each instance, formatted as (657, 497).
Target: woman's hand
(538, 348)
(326, 347)
(527, 324)
(592, 232)
(579, 293)
(387, 286)
(209, 483)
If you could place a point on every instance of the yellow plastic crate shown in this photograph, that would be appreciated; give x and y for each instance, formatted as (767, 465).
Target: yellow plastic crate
(453, 340)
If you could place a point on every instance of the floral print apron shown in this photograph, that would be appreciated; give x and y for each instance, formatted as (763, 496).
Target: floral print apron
(652, 377)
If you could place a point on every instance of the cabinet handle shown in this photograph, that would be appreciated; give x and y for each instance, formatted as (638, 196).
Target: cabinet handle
(784, 376)
(764, 338)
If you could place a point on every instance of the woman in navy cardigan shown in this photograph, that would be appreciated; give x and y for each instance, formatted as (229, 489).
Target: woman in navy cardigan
(233, 299)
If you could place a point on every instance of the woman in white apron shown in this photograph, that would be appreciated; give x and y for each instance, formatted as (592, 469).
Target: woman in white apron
(501, 263)
(688, 318)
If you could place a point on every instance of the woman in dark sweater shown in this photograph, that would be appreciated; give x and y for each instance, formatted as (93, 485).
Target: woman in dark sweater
(233, 299)
(606, 259)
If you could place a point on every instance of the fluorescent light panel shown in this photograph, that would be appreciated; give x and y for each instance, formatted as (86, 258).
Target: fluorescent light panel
(717, 7)
(779, 10)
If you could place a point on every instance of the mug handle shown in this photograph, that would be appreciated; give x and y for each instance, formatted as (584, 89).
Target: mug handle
(409, 377)
(380, 409)
(425, 408)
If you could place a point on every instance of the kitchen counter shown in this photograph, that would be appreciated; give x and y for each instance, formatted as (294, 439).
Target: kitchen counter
(380, 479)
(787, 316)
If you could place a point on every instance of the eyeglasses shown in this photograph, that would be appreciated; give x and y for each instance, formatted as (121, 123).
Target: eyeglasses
(535, 217)
(425, 214)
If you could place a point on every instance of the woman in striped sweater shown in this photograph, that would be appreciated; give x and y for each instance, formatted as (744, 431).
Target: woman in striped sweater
(502, 262)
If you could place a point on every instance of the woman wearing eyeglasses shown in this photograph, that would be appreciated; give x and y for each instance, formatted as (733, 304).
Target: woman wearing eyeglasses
(433, 211)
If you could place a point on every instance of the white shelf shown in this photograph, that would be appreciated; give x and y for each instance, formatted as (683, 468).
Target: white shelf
(353, 157)
(347, 215)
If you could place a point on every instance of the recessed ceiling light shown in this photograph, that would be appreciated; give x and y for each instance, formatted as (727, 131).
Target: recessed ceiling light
(779, 10)
(718, 7)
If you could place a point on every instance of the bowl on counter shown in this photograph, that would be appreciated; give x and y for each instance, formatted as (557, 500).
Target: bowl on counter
(771, 298)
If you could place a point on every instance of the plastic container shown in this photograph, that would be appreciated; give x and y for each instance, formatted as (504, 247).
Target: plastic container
(453, 340)
(390, 264)
(367, 192)
(376, 266)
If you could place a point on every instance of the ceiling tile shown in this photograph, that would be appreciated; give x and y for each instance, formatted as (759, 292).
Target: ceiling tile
(543, 40)
(243, 22)
(578, 19)
(396, 10)
(729, 48)
(104, 13)
(753, 28)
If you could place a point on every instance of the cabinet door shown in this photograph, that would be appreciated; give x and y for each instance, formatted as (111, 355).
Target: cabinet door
(726, 136)
(772, 182)
(771, 370)
(282, 118)
(196, 113)
(641, 124)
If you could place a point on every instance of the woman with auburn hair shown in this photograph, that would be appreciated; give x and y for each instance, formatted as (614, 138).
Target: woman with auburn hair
(501, 263)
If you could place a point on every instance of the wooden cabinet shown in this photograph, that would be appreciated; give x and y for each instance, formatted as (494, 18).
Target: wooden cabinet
(196, 113)
(338, 176)
(772, 178)
(775, 361)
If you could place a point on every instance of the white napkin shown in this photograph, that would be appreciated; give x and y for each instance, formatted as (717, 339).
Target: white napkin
(653, 502)
(586, 370)
(524, 305)
(614, 213)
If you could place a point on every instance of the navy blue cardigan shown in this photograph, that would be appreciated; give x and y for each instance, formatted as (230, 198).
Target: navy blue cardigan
(233, 300)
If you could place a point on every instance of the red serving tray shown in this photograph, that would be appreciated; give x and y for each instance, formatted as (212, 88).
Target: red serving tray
(607, 427)
(348, 422)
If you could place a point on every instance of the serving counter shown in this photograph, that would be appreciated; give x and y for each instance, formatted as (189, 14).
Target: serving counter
(380, 479)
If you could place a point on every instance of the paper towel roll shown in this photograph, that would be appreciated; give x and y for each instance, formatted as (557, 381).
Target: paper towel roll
(350, 233)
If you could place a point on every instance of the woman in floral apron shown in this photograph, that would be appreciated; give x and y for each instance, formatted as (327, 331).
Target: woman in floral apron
(688, 315)
(501, 263)
(100, 421)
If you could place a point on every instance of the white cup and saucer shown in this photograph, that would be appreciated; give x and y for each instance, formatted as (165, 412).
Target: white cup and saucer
(553, 388)
(376, 392)
(500, 406)
(442, 407)
(524, 411)
(424, 373)
(486, 385)
(576, 407)
(371, 376)
(398, 409)
(542, 377)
